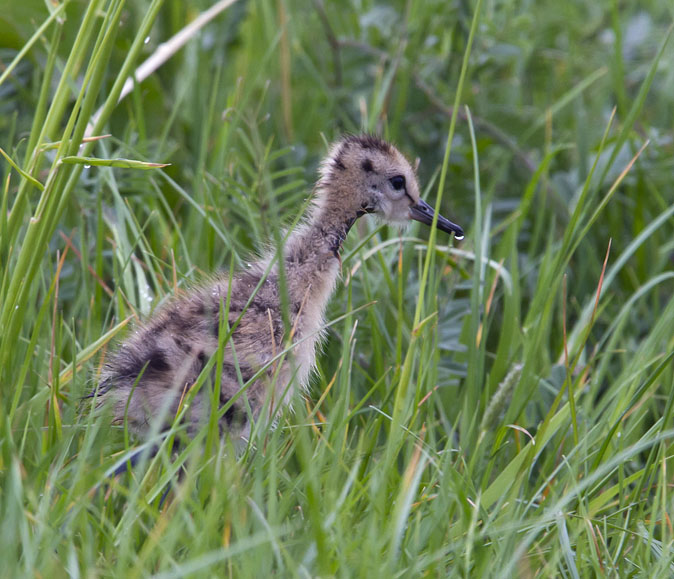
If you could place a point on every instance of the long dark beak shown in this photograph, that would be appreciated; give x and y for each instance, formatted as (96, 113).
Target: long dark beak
(424, 213)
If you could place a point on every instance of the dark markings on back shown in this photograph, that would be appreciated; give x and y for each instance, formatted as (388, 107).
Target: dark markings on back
(200, 364)
(182, 344)
(234, 415)
(158, 327)
(229, 369)
(262, 306)
(128, 366)
(181, 324)
(100, 388)
(199, 309)
(158, 362)
(252, 278)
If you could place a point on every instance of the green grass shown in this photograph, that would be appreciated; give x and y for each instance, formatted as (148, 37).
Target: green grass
(503, 407)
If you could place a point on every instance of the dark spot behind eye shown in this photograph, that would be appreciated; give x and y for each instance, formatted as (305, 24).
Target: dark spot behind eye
(367, 166)
(397, 182)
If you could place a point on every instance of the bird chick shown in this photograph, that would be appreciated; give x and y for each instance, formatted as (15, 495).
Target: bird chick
(154, 367)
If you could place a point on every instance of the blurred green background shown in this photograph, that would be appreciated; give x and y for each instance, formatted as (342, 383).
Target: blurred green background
(411, 455)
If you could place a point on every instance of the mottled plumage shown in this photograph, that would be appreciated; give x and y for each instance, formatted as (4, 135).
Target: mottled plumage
(361, 175)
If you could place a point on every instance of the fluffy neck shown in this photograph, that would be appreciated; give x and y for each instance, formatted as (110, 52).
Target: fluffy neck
(312, 259)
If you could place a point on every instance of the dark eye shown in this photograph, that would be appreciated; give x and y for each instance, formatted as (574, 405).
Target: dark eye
(398, 182)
